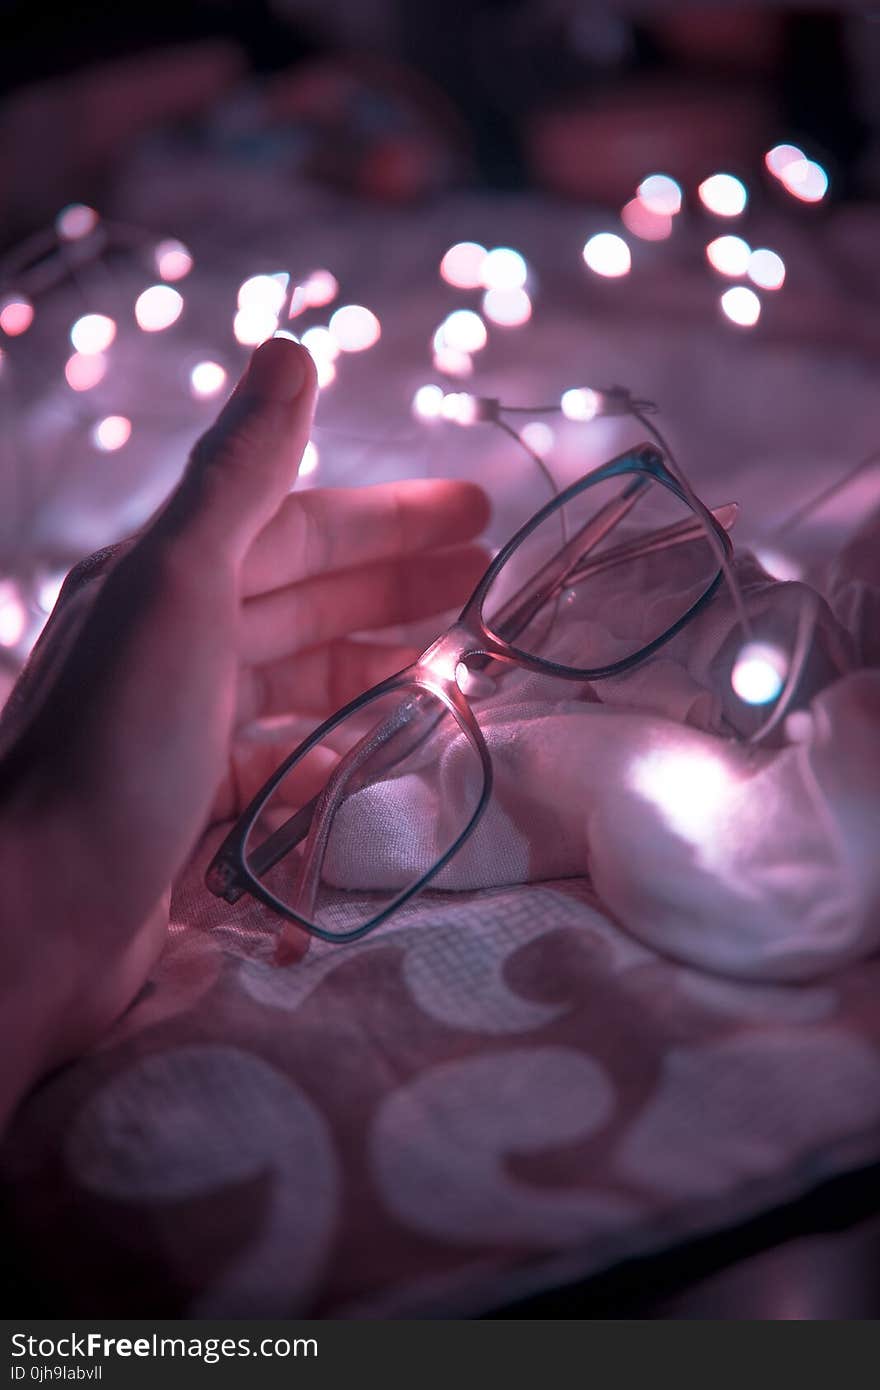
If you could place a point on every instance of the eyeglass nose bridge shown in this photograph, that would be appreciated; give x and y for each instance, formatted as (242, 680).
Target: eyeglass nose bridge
(441, 661)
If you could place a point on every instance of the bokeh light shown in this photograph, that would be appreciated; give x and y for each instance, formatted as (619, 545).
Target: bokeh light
(759, 673)
(778, 159)
(16, 314)
(451, 362)
(741, 305)
(723, 194)
(581, 403)
(254, 324)
(320, 342)
(111, 433)
(207, 379)
(158, 308)
(538, 435)
(13, 615)
(806, 180)
(93, 333)
(462, 266)
(172, 260)
(644, 223)
(49, 590)
(607, 254)
(309, 461)
(766, 269)
(325, 372)
(355, 328)
(660, 194)
(459, 407)
(83, 370)
(504, 269)
(462, 330)
(427, 402)
(264, 292)
(508, 308)
(319, 288)
(75, 221)
(729, 255)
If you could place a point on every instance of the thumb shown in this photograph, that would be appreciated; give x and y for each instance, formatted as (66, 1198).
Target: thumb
(244, 465)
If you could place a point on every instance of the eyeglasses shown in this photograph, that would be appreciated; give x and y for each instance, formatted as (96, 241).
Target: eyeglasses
(599, 578)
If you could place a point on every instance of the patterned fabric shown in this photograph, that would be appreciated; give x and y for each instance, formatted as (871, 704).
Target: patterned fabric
(500, 1091)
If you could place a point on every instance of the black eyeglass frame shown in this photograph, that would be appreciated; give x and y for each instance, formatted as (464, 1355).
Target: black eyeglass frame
(229, 876)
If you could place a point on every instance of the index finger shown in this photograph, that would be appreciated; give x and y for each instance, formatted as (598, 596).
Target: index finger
(328, 529)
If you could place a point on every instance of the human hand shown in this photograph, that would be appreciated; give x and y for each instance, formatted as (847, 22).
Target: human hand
(122, 737)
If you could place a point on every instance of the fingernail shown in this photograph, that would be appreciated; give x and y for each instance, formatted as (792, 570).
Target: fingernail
(277, 371)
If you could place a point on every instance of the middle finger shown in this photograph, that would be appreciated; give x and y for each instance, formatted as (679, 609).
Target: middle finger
(357, 600)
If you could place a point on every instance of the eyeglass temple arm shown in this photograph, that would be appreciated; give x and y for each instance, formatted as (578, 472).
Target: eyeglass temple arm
(294, 830)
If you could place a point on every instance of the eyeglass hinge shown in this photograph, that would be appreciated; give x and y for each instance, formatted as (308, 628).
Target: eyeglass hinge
(222, 880)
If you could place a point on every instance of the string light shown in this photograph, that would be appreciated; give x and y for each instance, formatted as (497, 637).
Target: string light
(608, 254)
(13, 615)
(780, 157)
(83, 371)
(264, 292)
(723, 194)
(805, 179)
(254, 324)
(321, 343)
(581, 403)
(93, 333)
(207, 379)
(173, 260)
(462, 266)
(741, 305)
(644, 223)
(451, 362)
(49, 590)
(157, 308)
(729, 255)
(75, 221)
(460, 408)
(16, 314)
(766, 269)
(503, 269)
(355, 328)
(509, 308)
(320, 287)
(660, 194)
(325, 371)
(759, 673)
(539, 436)
(463, 331)
(427, 403)
(111, 433)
